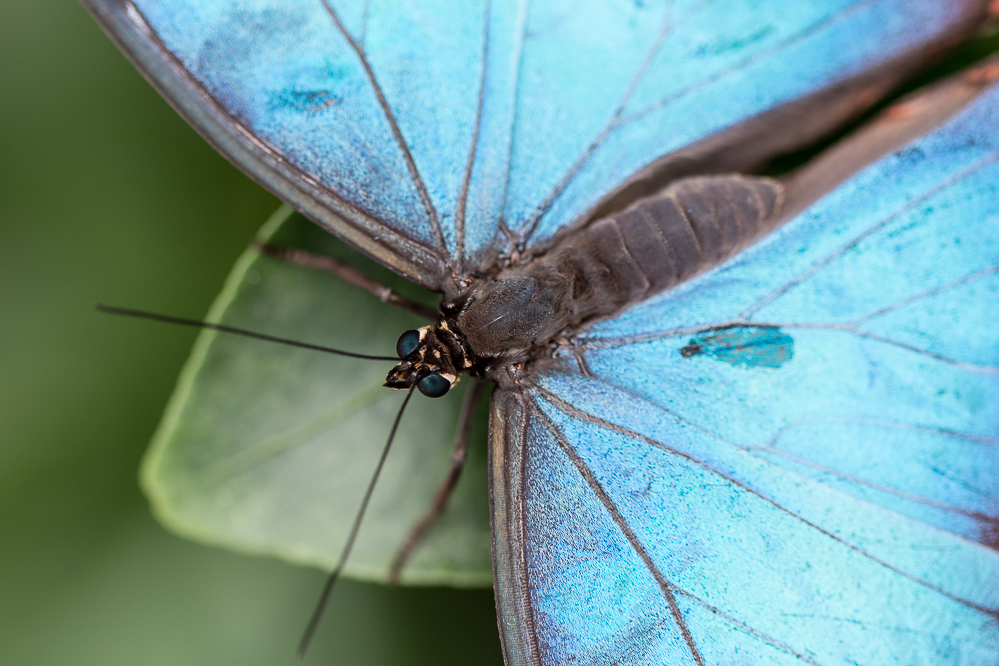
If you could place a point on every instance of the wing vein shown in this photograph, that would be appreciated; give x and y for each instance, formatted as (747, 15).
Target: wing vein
(930, 293)
(467, 180)
(859, 481)
(742, 64)
(847, 328)
(625, 340)
(595, 485)
(414, 172)
(531, 225)
(502, 229)
(851, 328)
(668, 588)
(621, 430)
(619, 119)
(978, 439)
(825, 261)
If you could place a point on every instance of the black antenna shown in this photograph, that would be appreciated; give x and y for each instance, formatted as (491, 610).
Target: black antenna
(139, 314)
(317, 614)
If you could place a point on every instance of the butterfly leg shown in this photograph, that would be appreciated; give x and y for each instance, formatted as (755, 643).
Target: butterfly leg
(458, 456)
(321, 262)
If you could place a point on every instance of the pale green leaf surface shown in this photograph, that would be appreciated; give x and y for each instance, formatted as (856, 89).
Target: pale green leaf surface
(267, 449)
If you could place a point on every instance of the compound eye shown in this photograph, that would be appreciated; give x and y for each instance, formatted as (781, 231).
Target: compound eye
(408, 341)
(433, 386)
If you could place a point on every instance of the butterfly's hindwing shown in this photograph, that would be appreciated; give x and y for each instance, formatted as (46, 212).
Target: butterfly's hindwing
(805, 472)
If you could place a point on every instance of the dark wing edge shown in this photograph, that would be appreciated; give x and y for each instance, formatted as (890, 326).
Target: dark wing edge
(514, 615)
(124, 24)
(749, 145)
(907, 119)
(509, 418)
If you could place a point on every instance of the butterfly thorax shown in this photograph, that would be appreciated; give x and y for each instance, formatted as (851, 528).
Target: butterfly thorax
(510, 318)
(498, 324)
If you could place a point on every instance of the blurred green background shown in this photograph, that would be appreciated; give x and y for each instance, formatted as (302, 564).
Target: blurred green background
(105, 194)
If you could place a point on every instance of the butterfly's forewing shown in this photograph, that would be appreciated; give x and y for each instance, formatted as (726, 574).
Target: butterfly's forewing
(630, 86)
(284, 89)
(413, 130)
(790, 459)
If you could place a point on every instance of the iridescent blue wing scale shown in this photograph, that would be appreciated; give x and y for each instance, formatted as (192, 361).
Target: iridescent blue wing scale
(792, 458)
(288, 92)
(431, 134)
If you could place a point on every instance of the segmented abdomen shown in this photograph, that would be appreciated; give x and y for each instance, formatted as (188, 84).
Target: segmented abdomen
(660, 241)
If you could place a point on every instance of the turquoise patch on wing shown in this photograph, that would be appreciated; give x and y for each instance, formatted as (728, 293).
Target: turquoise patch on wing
(749, 346)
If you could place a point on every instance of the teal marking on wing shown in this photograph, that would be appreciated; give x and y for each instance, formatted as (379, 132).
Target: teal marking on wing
(746, 346)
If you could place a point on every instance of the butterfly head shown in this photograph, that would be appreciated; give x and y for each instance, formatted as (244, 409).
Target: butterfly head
(429, 360)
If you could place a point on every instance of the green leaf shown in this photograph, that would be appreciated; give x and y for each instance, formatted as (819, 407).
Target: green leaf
(267, 449)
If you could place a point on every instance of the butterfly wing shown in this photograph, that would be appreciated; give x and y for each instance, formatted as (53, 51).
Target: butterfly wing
(286, 90)
(793, 458)
(693, 87)
(419, 131)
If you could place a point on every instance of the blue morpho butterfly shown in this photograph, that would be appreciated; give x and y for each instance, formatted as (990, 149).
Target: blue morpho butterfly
(786, 455)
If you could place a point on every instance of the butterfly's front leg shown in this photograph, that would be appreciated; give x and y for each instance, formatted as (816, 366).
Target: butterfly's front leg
(458, 457)
(347, 273)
